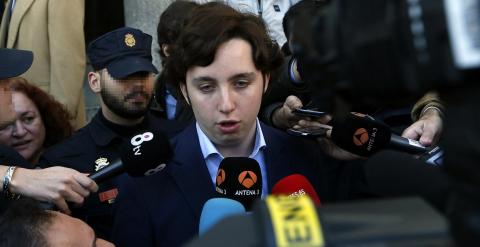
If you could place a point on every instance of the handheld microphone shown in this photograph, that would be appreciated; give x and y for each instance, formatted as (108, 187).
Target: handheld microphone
(145, 154)
(217, 209)
(240, 179)
(391, 173)
(363, 135)
(296, 185)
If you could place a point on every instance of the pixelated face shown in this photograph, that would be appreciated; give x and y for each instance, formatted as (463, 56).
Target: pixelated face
(7, 115)
(68, 231)
(128, 98)
(225, 96)
(27, 133)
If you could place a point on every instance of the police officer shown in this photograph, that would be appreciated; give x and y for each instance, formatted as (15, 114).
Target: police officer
(123, 77)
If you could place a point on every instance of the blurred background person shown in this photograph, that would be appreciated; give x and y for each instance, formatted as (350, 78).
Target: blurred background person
(53, 30)
(41, 121)
(168, 102)
(271, 11)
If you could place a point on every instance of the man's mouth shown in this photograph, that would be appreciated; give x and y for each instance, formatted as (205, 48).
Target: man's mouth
(228, 126)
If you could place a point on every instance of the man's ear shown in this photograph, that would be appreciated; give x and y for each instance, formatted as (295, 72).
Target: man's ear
(266, 77)
(94, 79)
(183, 87)
(165, 49)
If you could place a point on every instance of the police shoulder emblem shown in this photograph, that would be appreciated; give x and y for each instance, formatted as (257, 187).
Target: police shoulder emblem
(129, 40)
(101, 163)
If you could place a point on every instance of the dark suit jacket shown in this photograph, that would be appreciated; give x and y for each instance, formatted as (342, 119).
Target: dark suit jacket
(164, 209)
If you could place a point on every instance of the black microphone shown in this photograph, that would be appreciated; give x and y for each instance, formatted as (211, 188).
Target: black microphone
(240, 179)
(363, 135)
(391, 173)
(145, 154)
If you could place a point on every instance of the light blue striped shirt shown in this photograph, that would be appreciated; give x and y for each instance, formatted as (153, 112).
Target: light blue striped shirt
(213, 157)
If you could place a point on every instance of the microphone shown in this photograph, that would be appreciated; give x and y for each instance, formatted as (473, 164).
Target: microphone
(145, 154)
(363, 135)
(217, 209)
(296, 185)
(295, 221)
(391, 173)
(240, 179)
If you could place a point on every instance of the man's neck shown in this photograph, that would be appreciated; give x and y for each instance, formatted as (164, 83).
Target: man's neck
(114, 118)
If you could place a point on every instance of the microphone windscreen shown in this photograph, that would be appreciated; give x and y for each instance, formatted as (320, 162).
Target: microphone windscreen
(146, 153)
(391, 173)
(240, 179)
(296, 185)
(360, 134)
(217, 209)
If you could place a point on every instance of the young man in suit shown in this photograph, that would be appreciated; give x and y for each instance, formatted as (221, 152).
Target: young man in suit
(222, 62)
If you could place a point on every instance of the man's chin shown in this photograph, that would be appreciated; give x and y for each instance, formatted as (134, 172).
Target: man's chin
(131, 114)
(229, 140)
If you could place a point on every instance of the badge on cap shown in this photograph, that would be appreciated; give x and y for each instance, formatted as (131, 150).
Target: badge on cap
(129, 40)
(101, 163)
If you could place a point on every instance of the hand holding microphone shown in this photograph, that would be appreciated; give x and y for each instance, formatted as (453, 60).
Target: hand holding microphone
(362, 135)
(144, 154)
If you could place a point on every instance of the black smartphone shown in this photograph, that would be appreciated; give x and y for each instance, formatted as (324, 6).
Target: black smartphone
(308, 113)
(312, 132)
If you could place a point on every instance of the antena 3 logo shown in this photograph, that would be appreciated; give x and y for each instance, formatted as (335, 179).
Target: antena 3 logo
(362, 137)
(220, 176)
(247, 179)
(137, 140)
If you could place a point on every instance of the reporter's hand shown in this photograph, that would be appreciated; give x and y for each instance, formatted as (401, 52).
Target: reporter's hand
(427, 130)
(326, 144)
(283, 117)
(54, 184)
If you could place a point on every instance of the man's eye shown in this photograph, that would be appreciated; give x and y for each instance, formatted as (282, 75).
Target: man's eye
(206, 88)
(241, 84)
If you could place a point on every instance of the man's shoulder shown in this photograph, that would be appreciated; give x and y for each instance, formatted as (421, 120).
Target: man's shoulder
(272, 134)
(75, 152)
(73, 144)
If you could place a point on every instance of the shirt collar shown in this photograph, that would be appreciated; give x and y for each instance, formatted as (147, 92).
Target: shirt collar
(208, 148)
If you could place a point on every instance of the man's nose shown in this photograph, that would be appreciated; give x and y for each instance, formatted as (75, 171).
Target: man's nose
(227, 101)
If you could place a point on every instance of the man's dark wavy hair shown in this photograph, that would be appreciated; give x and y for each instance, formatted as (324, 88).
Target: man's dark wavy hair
(171, 21)
(210, 26)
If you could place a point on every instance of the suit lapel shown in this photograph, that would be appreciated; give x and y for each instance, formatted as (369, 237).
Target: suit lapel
(19, 11)
(190, 172)
(277, 160)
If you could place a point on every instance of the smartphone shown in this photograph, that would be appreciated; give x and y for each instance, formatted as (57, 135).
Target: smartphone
(309, 113)
(312, 132)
